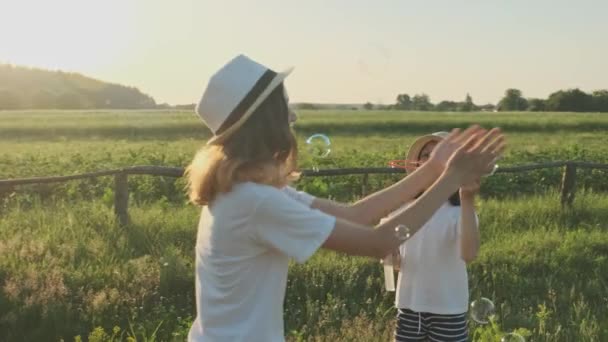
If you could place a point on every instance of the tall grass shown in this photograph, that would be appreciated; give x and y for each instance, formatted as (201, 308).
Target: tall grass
(67, 269)
(68, 142)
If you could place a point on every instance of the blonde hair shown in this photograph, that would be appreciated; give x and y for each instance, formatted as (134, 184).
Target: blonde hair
(263, 150)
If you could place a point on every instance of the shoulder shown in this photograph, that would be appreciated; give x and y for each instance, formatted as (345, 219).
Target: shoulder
(265, 199)
(449, 210)
(256, 191)
(246, 197)
(300, 196)
(446, 212)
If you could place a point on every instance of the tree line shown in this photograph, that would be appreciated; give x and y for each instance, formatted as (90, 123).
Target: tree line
(571, 100)
(31, 88)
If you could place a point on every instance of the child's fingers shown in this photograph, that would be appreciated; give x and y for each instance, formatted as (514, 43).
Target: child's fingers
(488, 138)
(464, 136)
(468, 144)
(492, 146)
(491, 156)
(453, 134)
(499, 150)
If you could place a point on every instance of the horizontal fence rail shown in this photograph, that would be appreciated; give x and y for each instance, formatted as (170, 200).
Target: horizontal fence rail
(121, 191)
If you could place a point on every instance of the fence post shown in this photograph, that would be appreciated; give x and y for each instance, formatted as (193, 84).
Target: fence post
(568, 184)
(364, 185)
(121, 198)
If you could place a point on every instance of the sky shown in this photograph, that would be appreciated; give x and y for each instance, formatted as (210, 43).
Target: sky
(343, 51)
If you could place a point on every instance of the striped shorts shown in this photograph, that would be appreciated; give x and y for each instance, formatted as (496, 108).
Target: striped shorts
(424, 326)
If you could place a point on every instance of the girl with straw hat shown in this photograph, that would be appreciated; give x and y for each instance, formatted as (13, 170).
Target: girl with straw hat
(432, 292)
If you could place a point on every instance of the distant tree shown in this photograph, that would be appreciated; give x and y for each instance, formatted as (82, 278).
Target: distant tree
(10, 100)
(487, 107)
(307, 106)
(38, 88)
(120, 97)
(600, 100)
(536, 105)
(421, 102)
(572, 100)
(512, 101)
(368, 106)
(146, 101)
(70, 100)
(44, 99)
(467, 105)
(385, 107)
(403, 102)
(447, 106)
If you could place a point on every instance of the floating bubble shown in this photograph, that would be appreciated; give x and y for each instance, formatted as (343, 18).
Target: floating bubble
(402, 232)
(481, 310)
(512, 337)
(319, 145)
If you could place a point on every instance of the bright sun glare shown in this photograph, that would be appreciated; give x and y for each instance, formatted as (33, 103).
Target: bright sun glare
(83, 36)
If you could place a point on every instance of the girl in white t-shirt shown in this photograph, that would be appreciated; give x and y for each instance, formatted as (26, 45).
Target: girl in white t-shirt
(432, 290)
(252, 223)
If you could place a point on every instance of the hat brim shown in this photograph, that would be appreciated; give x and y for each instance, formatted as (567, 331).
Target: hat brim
(276, 81)
(414, 151)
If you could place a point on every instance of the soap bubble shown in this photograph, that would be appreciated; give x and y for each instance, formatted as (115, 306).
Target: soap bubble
(319, 145)
(481, 310)
(402, 232)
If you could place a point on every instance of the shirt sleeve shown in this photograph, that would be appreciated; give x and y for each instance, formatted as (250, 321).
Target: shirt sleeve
(289, 226)
(299, 196)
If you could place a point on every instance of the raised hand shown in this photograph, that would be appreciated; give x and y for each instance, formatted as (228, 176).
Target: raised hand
(476, 153)
(446, 148)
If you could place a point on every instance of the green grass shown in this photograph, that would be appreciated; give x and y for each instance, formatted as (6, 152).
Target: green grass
(66, 268)
(63, 142)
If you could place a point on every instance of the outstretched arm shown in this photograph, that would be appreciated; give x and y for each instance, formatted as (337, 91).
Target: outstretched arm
(468, 163)
(371, 209)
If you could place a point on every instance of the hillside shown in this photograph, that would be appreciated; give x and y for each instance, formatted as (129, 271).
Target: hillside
(30, 88)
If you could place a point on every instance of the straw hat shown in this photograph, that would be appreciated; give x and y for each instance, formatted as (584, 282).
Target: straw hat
(414, 152)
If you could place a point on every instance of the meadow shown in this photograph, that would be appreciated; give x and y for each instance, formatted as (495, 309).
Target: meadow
(69, 272)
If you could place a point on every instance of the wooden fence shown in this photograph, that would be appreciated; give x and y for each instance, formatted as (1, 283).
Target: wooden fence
(121, 189)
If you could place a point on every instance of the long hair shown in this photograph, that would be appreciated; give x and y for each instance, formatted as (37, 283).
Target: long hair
(263, 150)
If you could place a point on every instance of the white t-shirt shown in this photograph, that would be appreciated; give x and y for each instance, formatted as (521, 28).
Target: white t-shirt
(244, 243)
(433, 276)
